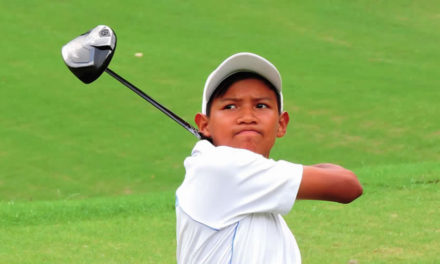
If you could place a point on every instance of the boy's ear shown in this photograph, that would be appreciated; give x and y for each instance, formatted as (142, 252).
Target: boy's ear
(282, 124)
(202, 123)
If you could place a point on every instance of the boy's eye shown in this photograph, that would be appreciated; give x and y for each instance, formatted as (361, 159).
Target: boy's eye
(230, 106)
(261, 105)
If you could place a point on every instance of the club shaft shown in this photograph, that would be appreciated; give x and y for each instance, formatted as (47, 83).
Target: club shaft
(162, 108)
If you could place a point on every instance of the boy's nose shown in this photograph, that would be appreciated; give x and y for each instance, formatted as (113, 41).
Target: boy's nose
(247, 116)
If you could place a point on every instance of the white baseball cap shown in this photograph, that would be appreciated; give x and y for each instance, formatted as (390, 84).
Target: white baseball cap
(241, 62)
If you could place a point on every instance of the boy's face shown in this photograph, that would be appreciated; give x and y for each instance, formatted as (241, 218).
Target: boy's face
(246, 116)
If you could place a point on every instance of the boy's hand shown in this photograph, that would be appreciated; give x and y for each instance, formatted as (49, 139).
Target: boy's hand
(329, 182)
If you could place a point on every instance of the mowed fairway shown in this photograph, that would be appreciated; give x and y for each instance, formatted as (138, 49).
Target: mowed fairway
(88, 172)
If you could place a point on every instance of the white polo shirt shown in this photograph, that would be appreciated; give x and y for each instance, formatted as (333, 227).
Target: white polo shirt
(229, 207)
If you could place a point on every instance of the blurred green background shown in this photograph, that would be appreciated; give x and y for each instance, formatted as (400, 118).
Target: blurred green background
(360, 81)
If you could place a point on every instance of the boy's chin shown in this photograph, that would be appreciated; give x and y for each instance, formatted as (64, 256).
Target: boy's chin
(251, 143)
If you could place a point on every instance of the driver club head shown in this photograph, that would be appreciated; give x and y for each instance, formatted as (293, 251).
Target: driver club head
(88, 55)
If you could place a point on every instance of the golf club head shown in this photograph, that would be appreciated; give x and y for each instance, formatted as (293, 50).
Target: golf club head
(88, 55)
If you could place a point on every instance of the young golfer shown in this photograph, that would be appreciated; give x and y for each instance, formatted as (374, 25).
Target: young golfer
(230, 203)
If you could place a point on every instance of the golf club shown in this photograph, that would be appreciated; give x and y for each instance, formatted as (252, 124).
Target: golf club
(89, 55)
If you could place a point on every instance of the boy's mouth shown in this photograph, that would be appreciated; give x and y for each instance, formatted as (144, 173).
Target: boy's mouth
(248, 132)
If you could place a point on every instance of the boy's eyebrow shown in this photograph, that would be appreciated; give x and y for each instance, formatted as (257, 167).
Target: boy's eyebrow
(264, 99)
(228, 99)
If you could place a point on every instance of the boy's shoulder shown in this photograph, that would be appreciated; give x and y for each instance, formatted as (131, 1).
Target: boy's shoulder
(225, 162)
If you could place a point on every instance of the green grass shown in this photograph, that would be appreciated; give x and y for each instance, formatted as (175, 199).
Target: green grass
(394, 222)
(88, 173)
(105, 230)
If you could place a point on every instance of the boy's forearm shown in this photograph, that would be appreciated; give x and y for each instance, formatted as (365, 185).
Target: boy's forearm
(329, 182)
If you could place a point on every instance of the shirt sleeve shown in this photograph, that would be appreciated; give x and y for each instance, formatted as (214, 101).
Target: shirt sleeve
(225, 184)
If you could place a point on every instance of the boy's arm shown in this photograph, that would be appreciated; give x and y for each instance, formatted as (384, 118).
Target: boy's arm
(329, 182)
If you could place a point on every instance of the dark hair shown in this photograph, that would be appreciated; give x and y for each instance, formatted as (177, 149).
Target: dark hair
(224, 86)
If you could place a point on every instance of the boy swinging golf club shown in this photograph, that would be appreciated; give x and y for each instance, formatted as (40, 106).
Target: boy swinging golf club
(230, 203)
